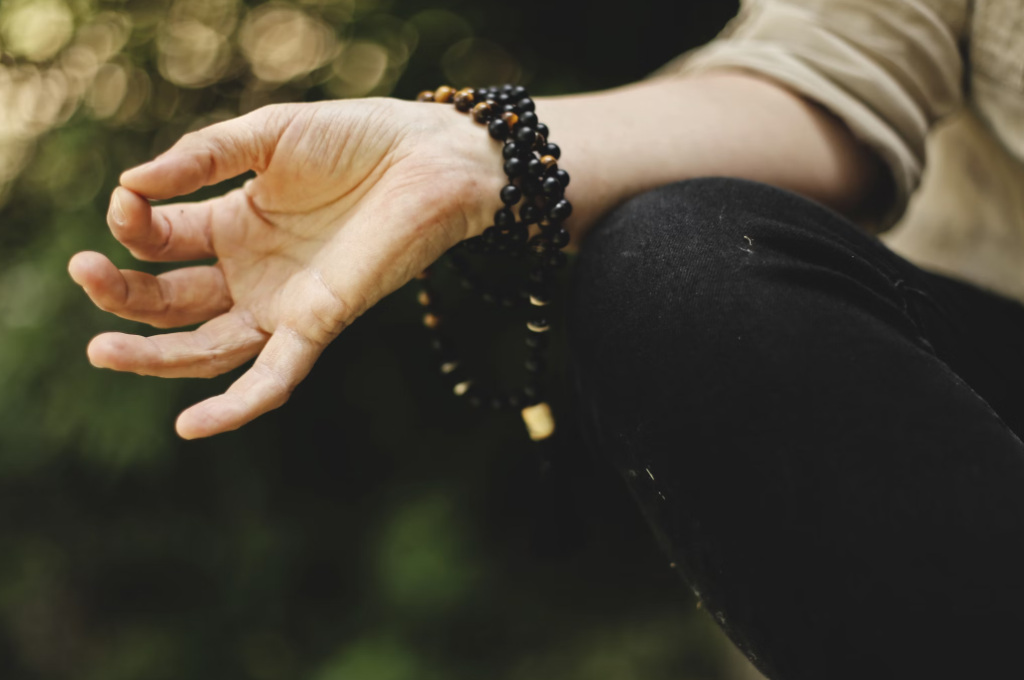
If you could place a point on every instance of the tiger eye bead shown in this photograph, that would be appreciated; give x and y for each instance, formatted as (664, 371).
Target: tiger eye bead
(444, 94)
(464, 99)
(431, 320)
(548, 161)
(510, 119)
(482, 112)
(423, 298)
(425, 96)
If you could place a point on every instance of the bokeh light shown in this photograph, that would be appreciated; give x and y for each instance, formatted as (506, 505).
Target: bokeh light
(35, 29)
(283, 43)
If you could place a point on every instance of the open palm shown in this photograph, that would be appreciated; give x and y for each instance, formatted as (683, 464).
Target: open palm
(350, 201)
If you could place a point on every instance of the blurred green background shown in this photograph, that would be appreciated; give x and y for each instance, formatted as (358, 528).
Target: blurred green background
(374, 528)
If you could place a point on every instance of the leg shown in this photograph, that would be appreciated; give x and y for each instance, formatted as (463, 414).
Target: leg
(827, 451)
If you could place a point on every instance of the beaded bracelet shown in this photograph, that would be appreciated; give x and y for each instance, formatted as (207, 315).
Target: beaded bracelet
(535, 181)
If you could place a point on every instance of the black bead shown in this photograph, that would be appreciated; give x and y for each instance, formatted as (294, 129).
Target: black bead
(531, 187)
(561, 210)
(539, 320)
(518, 234)
(538, 275)
(528, 118)
(540, 292)
(502, 98)
(534, 168)
(514, 400)
(507, 88)
(497, 403)
(474, 244)
(508, 108)
(458, 262)
(534, 365)
(536, 340)
(560, 239)
(540, 245)
(498, 129)
(511, 194)
(542, 129)
(526, 104)
(531, 394)
(529, 213)
(518, 92)
(514, 167)
(555, 259)
(508, 301)
(490, 235)
(469, 282)
(504, 218)
(511, 150)
(563, 177)
(526, 135)
(551, 150)
(552, 187)
(489, 296)
(477, 398)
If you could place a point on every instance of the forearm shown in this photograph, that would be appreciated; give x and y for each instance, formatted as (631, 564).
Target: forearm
(622, 142)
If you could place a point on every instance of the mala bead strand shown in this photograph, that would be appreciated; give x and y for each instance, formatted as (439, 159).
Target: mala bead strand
(537, 186)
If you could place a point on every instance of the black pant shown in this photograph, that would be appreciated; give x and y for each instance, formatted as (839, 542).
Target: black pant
(826, 438)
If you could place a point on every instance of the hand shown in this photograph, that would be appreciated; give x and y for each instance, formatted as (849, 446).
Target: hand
(351, 200)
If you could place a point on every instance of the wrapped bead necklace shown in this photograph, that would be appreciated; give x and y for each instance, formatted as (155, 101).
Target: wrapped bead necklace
(536, 185)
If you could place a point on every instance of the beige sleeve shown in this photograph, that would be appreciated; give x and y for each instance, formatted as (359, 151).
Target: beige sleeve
(888, 68)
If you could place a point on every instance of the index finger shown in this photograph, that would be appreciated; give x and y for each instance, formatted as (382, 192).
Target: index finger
(211, 155)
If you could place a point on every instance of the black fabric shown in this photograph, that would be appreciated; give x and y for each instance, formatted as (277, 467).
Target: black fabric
(825, 437)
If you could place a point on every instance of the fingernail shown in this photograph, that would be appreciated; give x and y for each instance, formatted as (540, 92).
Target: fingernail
(116, 212)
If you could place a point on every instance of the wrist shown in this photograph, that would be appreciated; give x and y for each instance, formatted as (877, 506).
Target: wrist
(467, 165)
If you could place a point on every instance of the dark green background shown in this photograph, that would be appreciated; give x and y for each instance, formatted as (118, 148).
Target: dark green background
(372, 529)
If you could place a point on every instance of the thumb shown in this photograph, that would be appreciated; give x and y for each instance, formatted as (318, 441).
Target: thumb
(212, 155)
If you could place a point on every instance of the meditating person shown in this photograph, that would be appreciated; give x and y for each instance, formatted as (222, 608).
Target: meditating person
(825, 437)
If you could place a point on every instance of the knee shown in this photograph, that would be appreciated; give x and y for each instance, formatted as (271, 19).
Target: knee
(716, 252)
(680, 252)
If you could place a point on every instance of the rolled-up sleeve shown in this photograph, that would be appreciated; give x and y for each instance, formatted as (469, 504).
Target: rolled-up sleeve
(890, 69)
